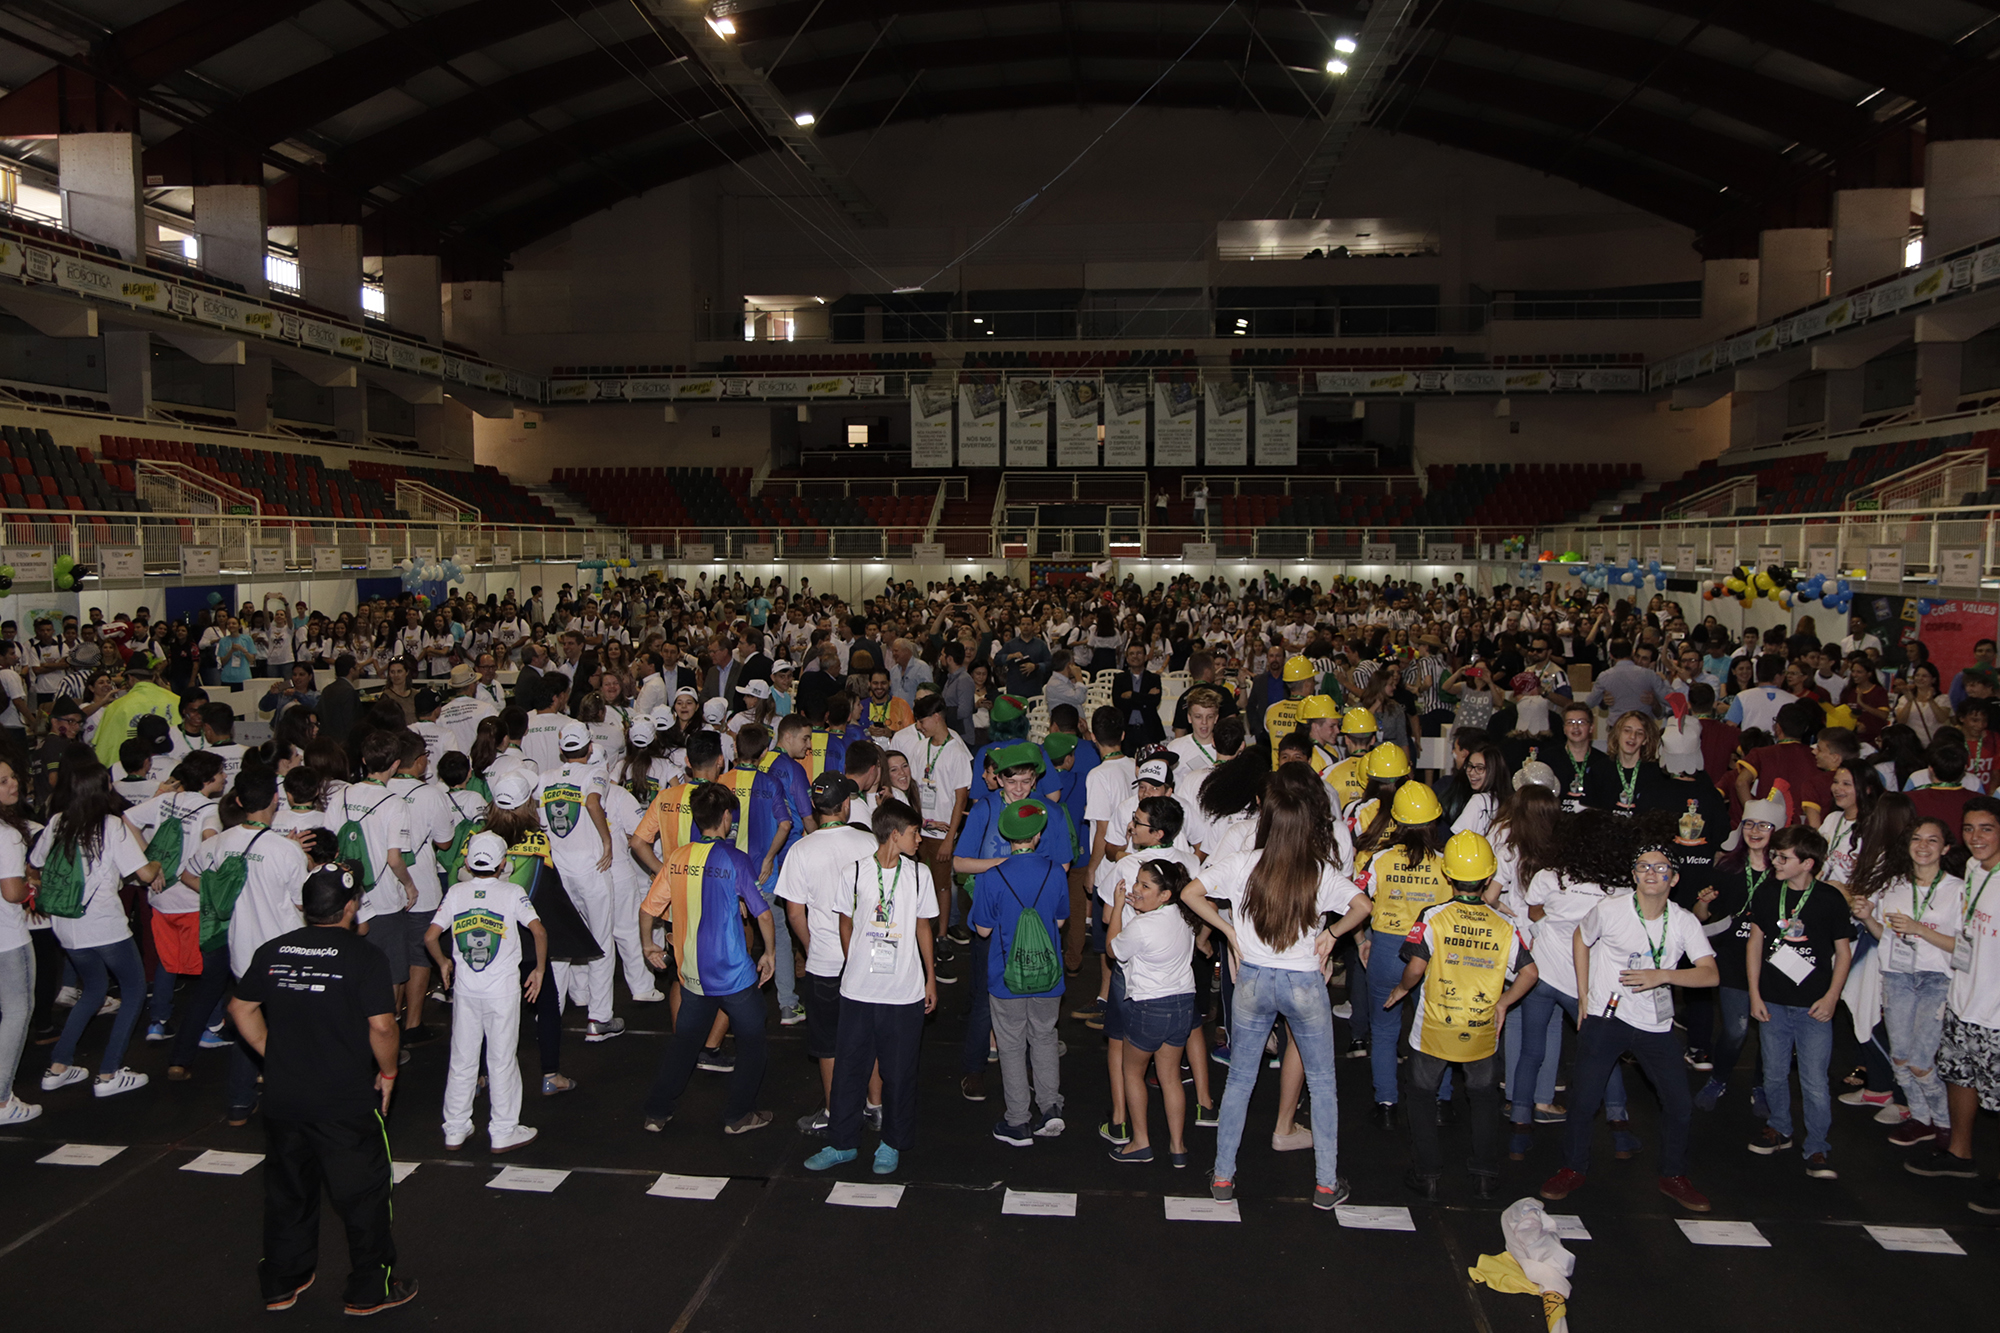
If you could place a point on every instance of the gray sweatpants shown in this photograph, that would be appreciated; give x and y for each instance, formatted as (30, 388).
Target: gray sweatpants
(1025, 1030)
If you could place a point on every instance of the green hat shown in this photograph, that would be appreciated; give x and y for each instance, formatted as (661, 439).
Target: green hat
(1016, 755)
(1008, 707)
(1058, 745)
(1023, 820)
(929, 687)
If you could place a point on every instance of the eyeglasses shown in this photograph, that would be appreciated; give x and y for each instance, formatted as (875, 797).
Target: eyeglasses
(1757, 826)
(1648, 870)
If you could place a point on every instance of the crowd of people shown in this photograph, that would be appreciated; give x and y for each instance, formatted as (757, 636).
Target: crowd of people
(1503, 822)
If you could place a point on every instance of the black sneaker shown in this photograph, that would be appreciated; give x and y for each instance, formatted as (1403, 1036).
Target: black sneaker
(288, 1299)
(1327, 1198)
(1941, 1162)
(398, 1292)
(871, 1118)
(1384, 1115)
(1698, 1059)
(1424, 1187)
(420, 1035)
(1987, 1201)
(716, 1060)
(959, 935)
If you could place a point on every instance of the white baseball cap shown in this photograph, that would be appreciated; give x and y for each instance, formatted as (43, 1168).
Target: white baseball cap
(486, 851)
(715, 711)
(782, 665)
(642, 732)
(574, 736)
(512, 790)
(1154, 771)
(757, 689)
(687, 691)
(663, 716)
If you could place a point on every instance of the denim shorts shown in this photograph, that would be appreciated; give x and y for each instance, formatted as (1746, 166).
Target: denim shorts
(1166, 1021)
(1114, 1011)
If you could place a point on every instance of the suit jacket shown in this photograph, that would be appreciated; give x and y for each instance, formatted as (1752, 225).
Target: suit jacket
(729, 680)
(1146, 699)
(339, 704)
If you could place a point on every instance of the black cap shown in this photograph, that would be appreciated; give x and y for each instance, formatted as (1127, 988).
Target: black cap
(153, 729)
(830, 789)
(427, 701)
(66, 708)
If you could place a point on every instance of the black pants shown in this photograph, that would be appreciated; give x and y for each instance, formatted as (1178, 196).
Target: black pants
(49, 963)
(871, 1034)
(203, 996)
(349, 1160)
(1599, 1043)
(1481, 1077)
(746, 1019)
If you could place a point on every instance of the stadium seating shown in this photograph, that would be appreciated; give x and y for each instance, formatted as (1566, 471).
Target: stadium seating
(1098, 359)
(1810, 483)
(698, 504)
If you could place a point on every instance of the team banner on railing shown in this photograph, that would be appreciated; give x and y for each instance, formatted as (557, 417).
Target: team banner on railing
(1077, 405)
(1174, 424)
(979, 425)
(1226, 423)
(32, 564)
(1277, 423)
(1027, 423)
(326, 559)
(1125, 424)
(121, 562)
(930, 426)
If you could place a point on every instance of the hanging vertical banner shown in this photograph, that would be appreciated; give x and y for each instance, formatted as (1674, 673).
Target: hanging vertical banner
(1226, 423)
(979, 425)
(1027, 423)
(1078, 404)
(1277, 423)
(1174, 403)
(930, 425)
(1125, 425)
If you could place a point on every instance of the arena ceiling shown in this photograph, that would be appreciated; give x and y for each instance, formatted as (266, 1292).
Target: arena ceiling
(471, 127)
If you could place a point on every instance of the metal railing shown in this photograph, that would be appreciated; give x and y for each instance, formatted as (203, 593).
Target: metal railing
(1724, 498)
(1791, 538)
(1944, 480)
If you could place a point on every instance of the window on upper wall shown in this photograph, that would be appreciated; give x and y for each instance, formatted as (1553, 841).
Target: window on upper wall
(857, 432)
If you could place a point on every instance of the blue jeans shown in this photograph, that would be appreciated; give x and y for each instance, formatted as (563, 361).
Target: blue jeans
(1793, 1030)
(979, 1019)
(1385, 1026)
(1913, 1009)
(1544, 1079)
(1732, 1028)
(1542, 1003)
(94, 969)
(17, 1004)
(785, 964)
(746, 1019)
(1262, 993)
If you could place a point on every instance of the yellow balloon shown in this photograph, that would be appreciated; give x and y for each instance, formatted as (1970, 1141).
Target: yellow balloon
(1734, 585)
(1764, 583)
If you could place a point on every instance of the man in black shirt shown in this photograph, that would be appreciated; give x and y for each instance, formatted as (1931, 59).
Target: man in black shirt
(316, 1004)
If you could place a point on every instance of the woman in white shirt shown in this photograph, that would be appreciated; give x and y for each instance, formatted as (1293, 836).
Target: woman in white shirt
(17, 950)
(90, 835)
(1282, 889)
(1917, 920)
(1855, 786)
(1147, 931)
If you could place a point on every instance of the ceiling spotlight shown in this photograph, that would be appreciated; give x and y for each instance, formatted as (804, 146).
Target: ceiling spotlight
(1344, 45)
(804, 120)
(1336, 66)
(723, 27)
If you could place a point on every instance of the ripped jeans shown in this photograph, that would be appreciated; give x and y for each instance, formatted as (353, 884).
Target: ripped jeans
(1913, 1011)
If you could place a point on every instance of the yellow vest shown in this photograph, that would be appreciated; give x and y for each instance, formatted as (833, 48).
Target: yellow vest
(1281, 719)
(1348, 778)
(1402, 891)
(1470, 946)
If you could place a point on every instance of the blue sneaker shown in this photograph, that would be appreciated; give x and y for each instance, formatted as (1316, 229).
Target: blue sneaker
(158, 1031)
(1219, 1053)
(1760, 1109)
(886, 1159)
(827, 1158)
(213, 1040)
(1710, 1095)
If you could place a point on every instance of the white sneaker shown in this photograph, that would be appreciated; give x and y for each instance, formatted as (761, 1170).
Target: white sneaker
(125, 1080)
(16, 1112)
(1893, 1114)
(110, 1006)
(69, 995)
(649, 997)
(453, 1142)
(74, 1074)
(521, 1137)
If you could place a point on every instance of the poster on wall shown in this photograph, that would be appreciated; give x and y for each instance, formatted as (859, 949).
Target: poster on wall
(1174, 403)
(1722, 559)
(122, 562)
(267, 560)
(381, 557)
(979, 425)
(503, 555)
(199, 562)
(32, 564)
(326, 559)
(1277, 423)
(1078, 403)
(930, 425)
(1226, 423)
(1959, 567)
(1893, 620)
(1885, 562)
(1684, 560)
(1027, 423)
(1950, 630)
(1125, 425)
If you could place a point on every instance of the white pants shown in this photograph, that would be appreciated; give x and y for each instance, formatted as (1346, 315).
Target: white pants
(589, 984)
(628, 890)
(496, 1021)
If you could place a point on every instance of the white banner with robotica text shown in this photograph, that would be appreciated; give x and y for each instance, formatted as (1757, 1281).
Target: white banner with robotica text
(1277, 423)
(979, 407)
(930, 425)
(1027, 423)
(1125, 424)
(1175, 403)
(1078, 403)
(1226, 423)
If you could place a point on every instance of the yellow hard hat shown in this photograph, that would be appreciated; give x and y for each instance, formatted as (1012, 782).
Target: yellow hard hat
(1358, 722)
(1415, 804)
(1315, 706)
(1469, 859)
(1297, 668)
(1388, 760)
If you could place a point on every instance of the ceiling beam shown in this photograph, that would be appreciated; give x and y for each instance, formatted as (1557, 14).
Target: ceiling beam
(1838, 39)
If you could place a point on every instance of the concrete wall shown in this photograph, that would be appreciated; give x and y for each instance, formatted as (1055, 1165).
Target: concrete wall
(528, 447)
(1571, 430)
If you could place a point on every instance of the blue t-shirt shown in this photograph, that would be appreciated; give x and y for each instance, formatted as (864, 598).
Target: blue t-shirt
(796, 790)
(760, 808)
(979, 836)
(704, 880)
(999, 896)
(760, 611)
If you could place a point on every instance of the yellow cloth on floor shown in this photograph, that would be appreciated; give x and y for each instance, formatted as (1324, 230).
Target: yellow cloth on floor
(1502, 1272)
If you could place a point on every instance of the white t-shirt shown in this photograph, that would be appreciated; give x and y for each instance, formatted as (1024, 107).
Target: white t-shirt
(1105, 790)
(937, 773)
(563, 796)
(1563, 904)
(288, 818)
(275, 875)
(818, 872)
(1975, 992)
(1156, 950)
(541, 743)
(622, 812)
(1619, 938)
(385, 827)
(483, 920)
(884, 964)
(1477, 817)
(1228, 878)
(13, 916)
(437, 742)
(11, 692)
(1196, 759)
(430, 820)
(198, 819)
(103, 920)
(1942, 912)
(1126, 870)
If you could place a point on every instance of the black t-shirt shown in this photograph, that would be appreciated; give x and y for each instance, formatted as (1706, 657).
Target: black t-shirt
(1733, 889)
(1604, 786)
(1824, 919)
(319, 986)
(1576, 777)
(1701, 822)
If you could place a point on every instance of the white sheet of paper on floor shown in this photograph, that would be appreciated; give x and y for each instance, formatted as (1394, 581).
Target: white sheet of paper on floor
(850, 1195)
(1917, 1240)
(670, 1186)
(1369, 1218)
(1181, 1209)
(1724, 1233)
(1569, 1227)
(532, 1179)
(401, 1171)
(1028, 1203)
(82, 1154)
(215, 1162)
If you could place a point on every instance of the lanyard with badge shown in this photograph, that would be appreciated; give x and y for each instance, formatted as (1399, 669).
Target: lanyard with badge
(1961, 949)
(883, 935)
(1903, 947)
(1649, 999)
(1792, 927)
(929, 790)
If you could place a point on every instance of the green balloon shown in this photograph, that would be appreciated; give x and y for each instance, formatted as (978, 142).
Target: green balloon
(64, 582)
(64, 562)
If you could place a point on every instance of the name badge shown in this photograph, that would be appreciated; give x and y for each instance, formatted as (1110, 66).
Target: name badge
(1792, 963)
(1961, 953)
